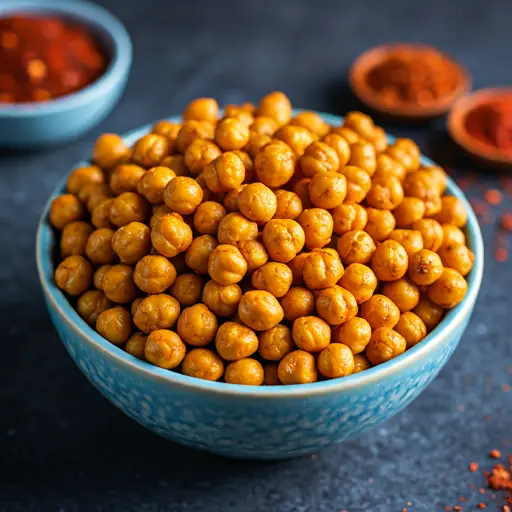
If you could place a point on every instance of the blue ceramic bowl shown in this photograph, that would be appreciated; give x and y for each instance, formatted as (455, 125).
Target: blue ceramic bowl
(33, 125)
(255, 422)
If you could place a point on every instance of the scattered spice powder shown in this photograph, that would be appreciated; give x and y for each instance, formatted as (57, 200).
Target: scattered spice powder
(493, 196)
(506, 221)
(482, 505)
(457, 508)
(473, 467)
(495, 454)
(505, 388)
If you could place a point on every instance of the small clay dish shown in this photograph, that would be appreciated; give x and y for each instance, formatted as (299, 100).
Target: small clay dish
(405, 110)
(457, 126)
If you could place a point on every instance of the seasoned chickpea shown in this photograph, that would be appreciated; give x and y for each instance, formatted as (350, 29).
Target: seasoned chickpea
(335, 305)
(235, 341)
(275, 278)
(74, 238)
(118, 284)
(431, 314)
(296, 137)
(336, 360)
(340, 145)
(260, 310)
(425, 267)
(431, 232)
(359, 183)
(411, 240)
(239, 113)
(125, 178)
(91, 304)
(98, 276)
(66, 209)
(410, 210)
(197, 325)
(199, 154)
(74, 275)
(135, 305)
(422, 184)
(379, 139)
(164, 348)
(202, 109)
(183, 195)
(311, 333)
(115, 325)
(380, 223)
(322, 269)
(385, 345)
(264, 125)
(275, 343)
(153, 182)
(403, 292)
(387, 167)
(386, 194)
(154, 274)
(100, 216)
(317, 158)
(360, 281)
(99, 246)
(348, 134)
(457, 256)
(94, 194)
(128, 207)
(312, 122)
(453, 235)
(274, 164)
(411, 327)
(406, 152)
(361, 363)
(230, 200)
(318, 225)
(360, 123)
(254, 254)
(203, 363)
(327, 189)
(257, 202)
(362, 155)
(187, 289)
(198, 253)
(354, 333)
(82, 176)
(301, 189)
(439, 177)
(207, 217)
(289, 205)
(192, 130)
(132, 242)
(160, 211)
(247, 372)
(298, 302)
(283, 239)
(169, 130)
(452, 212)
(150, 150)
(157, 312)
(248, 165)
(270, 377)
(379, 311)
(170, 236)
(390, 261)
(177, 164)
(449, 289)
(225, 173)
(235, 228)
(277, 106)
(231, 134)
(136, 344)
(223, 300)
(226, 265)
(356, 247)
(348, 217)
(256, 142)
(297, 367)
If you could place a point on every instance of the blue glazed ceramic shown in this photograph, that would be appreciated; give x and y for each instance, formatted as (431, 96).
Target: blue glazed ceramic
(33, 125)
(244, 421)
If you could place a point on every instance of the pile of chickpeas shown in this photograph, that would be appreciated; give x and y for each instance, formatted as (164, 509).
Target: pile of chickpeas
(255, 247)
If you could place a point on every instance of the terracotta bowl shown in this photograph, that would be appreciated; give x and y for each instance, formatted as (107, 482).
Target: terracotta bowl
(457, 126)
(374, 56)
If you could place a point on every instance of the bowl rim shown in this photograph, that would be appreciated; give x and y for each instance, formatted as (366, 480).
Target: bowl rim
(448, 327)
(85, 13)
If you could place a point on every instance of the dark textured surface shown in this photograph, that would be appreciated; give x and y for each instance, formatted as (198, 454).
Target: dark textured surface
(64, 447)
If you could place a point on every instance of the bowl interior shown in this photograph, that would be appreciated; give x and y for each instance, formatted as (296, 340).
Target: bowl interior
(453, 319)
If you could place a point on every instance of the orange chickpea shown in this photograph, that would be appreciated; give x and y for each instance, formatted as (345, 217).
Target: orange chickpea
(311, 333)
(296, 137)
(150, 150)
(197, 325)
(128, 207)
(403, 292)
(270, 377)
(379, 140)
(386, 194)
(157, 312)
(439, 177)
(177, 164)
(100, 216)
(235, 228)
(312, 122)
(74, 275)
(198, 253)
(449, 289)
(297, 302)
(359, 183)
(275, 278)
(452, 211)
(283, 239)
(260, 310)
(235, 341)
(154, 274)
(425, 267)
(348, 217)
(411, 327)
(74, 238)
(226, 265)
(289, 205)
(327, 189)
(277, 106)
(431, 314)
(389, 261)
(65, 209)
(318, 226)
(98, 276)
(118, 284)
(322, 269)
(422, 185)
(361, 363)
(385, 345)
(297, 367)
(153, 182)
(340, 145)
(231, 134)
(254, 254)
(348, 134)
(202, 109)
(410, 210)
(301, 189)
(183, 195)
(431, 233)
(360, 281)
(169, 130)
(387, 167)
(274, 164)
(275, 343)
(115, 325)
(170, 236)
(99, 246)
(458, 257)
(257, 202)
(335, 361)
(164, 349)
(264, 125)
(136, 345)
(132, 242)
(411, 240)
(247, 372)
(82, 176)
(379, 311)
(187, 289)
(453, 235)
(223, 300)
(319, 157)
(203, 363)
(225, 173)
(354, 333)
(362, 155)
(207, 217)
(356, 247)
(335, 305)
(94, 194)
(256, 142)
(380, 223)
(360, 123)
(125, 178)
(190, 131)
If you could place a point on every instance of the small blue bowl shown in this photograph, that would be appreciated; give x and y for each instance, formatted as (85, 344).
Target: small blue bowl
(272, 422)
(34, 125)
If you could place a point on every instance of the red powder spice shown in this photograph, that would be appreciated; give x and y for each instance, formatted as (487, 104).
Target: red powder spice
(495, 454)
(43, 57)
(482, 505)
(473, 467)
(493, 196)
(506, 221)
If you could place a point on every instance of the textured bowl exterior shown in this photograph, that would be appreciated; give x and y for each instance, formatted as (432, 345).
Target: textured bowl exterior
(34, 125)
(243, 421)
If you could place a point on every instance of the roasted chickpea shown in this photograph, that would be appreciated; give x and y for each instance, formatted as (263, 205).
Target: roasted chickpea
(362, 155)
(452, 235)
(452, 212)
(297, 367)
(297, 302)
(379, 140)
(431, 314)
(226, 265)
(91, 304)
(348, 134)
(380, 223)
(260, 310)
(222, 300)
(379, 311)
(410, 210)
(449, 289)
(431, 233)
(275, 343)
(160, 211)
(386, 193)
(239, 113)
(125, 178)
(74, 275)
(169, 130)
(312, 122)
(317, 224)
(277, 106)
(155, 312)
(128, 207)
(136, 344)
(170, 236)
(150, 150)
(301, 189)
(187, 289)
(202, 109)
(231, 134)
(296, 137)
(411, 240)
(340, 145)
(99, 246)
(311, 333)
(336, 360)
(230, 200)
(257, 202)
(131, 242)
(192, 130)
(164, 348)
(439, 177)
(177, 164)
(327, 189)
(247, 372)
(289, 205)
(115, 325)
(406, 152)
(264, 125)
(274, 164)
(154, 274)
(348, 217)
(387, 167)
(354, 333)
(203, 363)
(283, 239)
(74, 238)
(270, 377)
(153, 182)
(82, 176)
(385, 344)
(256, 142)
(198, 253)
(275, 278)
(359, 183)
(425, 267)
(100, 216)
(335, 305)
(66, 209)
(360, 123)
(207, 217)
(235, 341)
(235, 228)
(197, 325)
(389, 261)
(322, 269)
(94, 194)
(421, 184)
(457, 256)
(254, 254)
(183, 195)
(356, 247)
(360, 281)
(361, 363)
(317, 158)
(118, 284)
(225, 173)
(403, 292)
(411, 327)
(98, 276)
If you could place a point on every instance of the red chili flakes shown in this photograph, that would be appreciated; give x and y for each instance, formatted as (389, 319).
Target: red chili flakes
(506, 508)
(481, 490)
(473, 467)
(479, 206)
(457, 508)
(506, 221)
(495, 454)
(505, 388)
(501, 254)
(493, 196)
(482, 505)
(447, 509)
(500, 479)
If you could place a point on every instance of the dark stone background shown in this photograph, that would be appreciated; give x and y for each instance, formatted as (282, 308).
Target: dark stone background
(64, 447)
